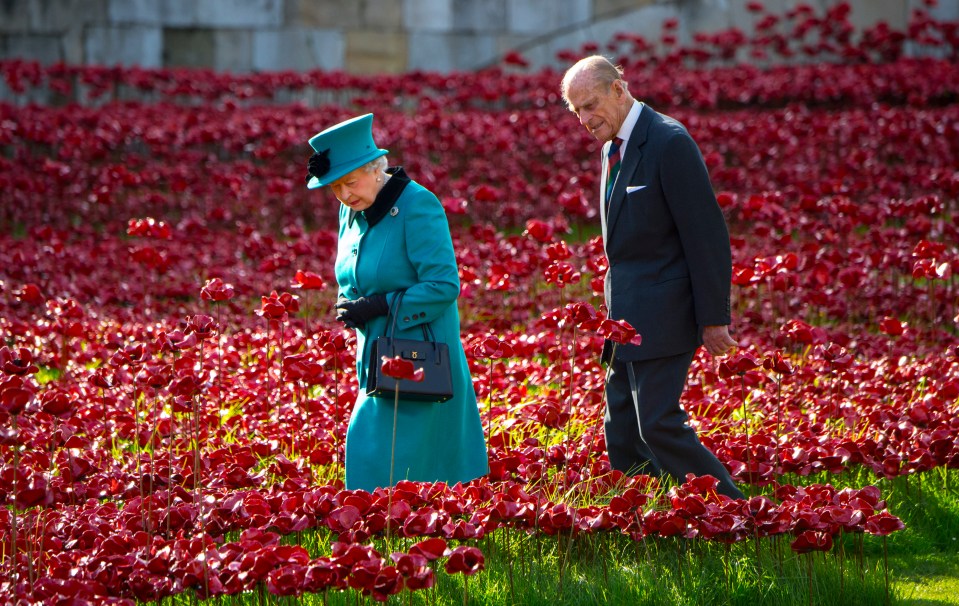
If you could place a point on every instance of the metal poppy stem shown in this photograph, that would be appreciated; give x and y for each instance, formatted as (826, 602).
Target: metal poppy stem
(266, 361)
(779, 419)
(749, 454)
(489, 399)
(336, 412)
(136, 447)
(150, 487)
(885, 564)
(198, 481)
(13, 513)
(279, 379)
(219, 358)
(169, 470)
(389, 500)
(197, 464)
(569, 407)
(612, 359)
(307, 312)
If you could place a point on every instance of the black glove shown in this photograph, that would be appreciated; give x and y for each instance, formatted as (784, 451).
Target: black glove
(357, 312)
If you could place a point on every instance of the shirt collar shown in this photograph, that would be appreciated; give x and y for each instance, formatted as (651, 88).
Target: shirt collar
(629, 123)
(391, 191)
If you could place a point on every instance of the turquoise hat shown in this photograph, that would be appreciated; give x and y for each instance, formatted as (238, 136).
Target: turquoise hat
(348, 146)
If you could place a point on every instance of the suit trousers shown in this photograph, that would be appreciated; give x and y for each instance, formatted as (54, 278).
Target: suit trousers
(647, 430)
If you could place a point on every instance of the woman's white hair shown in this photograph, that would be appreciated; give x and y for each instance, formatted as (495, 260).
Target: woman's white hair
(376, 165)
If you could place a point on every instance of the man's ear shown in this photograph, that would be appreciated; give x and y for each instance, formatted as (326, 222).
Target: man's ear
(619, 89)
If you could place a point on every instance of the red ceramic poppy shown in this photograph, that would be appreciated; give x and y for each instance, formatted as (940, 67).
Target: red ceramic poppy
(400, 368)
(217, 291)
(17, 362)
(307, 280)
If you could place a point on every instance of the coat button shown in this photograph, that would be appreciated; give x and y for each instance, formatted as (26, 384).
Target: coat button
(353, 289)
(406, 319)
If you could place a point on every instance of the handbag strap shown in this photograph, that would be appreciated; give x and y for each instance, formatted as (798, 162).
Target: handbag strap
(394, 313)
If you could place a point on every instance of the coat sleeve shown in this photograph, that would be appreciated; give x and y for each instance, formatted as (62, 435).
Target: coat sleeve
(341, 289)
(701, 226)
(429, 247)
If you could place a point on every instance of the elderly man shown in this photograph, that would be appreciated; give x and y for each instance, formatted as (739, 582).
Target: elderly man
(669, 273)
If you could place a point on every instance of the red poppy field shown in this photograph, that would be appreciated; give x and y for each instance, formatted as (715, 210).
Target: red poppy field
(174, 391)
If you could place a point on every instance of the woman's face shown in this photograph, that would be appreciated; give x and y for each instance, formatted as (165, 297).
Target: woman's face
(357, 189)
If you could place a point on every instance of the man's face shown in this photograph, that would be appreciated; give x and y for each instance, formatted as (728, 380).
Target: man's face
(600, 108)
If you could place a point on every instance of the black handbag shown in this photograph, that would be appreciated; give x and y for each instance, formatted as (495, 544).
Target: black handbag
(431, 356)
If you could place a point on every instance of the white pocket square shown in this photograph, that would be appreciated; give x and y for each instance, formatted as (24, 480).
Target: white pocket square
(631, 188)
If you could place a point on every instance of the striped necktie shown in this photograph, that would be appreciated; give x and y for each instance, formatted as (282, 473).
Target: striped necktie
(612, 163)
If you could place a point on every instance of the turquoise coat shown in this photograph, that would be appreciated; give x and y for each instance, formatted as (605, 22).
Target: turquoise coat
(408, 247)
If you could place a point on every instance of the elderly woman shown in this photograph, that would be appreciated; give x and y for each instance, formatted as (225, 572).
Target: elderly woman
(394, 237)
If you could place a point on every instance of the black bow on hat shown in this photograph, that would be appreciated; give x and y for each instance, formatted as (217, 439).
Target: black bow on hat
(319, 165)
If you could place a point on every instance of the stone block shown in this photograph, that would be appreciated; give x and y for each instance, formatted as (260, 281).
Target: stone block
(711, 16)
(72, 42)
(450, 52)
(543, 16)
(867, 13)
(298, 49)
(646, 22)
(44, 48)
(149, 12)
(15, 16)
(124, 45)
(57, 16)
(188, 47)
(233, 50)
(603, 9)
(385, 15)
(428, 15)
(179, 13)
(481, 17)
(376, 52)
(254, 14)
(222, 50)
(318, 14)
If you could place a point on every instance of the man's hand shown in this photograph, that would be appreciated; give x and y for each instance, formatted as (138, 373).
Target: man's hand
(718, 341)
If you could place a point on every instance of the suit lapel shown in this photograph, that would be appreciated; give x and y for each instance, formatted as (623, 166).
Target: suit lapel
(631, 159)
(603, 203)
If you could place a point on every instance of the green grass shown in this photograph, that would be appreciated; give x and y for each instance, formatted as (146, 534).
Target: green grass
(927, 579)
(920, 562)
(615, 570)
(924, 558)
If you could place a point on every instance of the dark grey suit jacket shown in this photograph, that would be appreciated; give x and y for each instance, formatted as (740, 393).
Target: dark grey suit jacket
(666, 240)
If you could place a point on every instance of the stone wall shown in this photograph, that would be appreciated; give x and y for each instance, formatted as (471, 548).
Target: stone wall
(367, 36)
